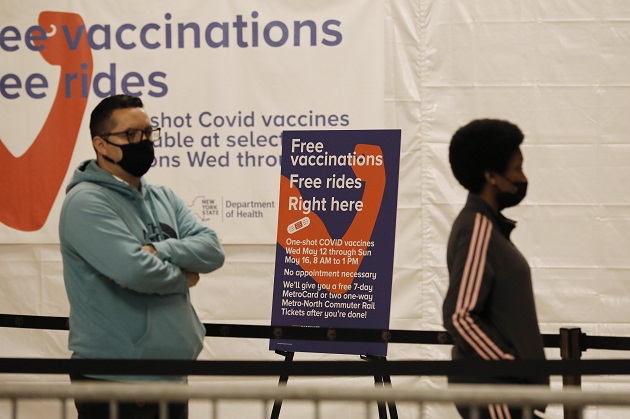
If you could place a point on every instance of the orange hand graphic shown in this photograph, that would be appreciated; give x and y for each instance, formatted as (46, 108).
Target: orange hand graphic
(30, 183)
(360, 229)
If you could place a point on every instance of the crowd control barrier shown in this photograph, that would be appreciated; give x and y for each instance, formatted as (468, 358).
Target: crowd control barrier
(571, 342)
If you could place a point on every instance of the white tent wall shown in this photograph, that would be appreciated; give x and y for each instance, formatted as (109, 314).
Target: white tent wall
(559, 69)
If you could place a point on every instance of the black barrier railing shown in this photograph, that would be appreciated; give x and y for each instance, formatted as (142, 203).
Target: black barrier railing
(323, 334)
(276, 332)
(479, 368)
(605, 342)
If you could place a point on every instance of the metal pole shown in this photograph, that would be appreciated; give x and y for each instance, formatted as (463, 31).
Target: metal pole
(570, 348)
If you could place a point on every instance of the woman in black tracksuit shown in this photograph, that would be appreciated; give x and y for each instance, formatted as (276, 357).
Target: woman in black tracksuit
(489, 308)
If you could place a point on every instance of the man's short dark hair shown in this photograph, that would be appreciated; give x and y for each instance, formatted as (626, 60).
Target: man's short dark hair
(100, 120)
(481, 145)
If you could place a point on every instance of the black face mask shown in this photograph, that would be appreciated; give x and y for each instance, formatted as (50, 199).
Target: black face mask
(510, 199)
(137, 157)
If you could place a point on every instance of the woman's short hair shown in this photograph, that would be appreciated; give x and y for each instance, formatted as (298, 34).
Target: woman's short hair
(482, 145)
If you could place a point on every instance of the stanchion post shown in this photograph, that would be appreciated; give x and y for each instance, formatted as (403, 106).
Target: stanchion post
(570, 348)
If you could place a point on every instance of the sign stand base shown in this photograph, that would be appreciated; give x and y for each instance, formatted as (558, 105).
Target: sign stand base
(282, 381)
(382, 381)
(379, 381)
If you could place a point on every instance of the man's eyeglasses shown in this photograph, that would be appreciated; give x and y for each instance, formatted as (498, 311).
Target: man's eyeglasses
(135, 135)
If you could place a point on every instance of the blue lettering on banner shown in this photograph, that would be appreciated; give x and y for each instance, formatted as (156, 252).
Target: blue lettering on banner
(239, 33)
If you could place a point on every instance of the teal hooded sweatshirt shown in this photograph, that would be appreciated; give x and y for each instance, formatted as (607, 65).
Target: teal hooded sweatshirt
(126, 303)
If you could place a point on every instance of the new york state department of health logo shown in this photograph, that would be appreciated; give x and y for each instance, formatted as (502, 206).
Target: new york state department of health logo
(205, 208)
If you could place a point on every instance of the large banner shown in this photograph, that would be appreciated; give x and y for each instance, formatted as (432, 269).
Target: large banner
(222, 79)
(336, 233)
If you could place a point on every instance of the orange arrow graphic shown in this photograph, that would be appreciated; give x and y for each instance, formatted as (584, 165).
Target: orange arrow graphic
(30, 183)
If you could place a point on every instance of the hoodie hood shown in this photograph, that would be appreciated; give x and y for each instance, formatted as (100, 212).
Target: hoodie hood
(88, 171)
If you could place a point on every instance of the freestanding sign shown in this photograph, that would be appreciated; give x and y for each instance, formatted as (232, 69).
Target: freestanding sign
(336, 231)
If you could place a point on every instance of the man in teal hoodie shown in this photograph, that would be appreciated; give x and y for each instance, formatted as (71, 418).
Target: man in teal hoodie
(130, 253)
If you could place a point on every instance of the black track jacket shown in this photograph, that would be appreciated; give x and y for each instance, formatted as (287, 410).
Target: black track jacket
(489, 308)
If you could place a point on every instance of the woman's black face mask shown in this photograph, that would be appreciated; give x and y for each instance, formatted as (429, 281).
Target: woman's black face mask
(511, 199)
